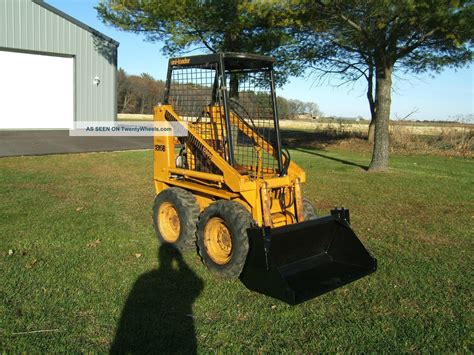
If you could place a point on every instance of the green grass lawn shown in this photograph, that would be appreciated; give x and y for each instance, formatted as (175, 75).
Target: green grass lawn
(79, 260)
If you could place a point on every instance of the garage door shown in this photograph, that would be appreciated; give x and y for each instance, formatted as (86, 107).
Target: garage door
(36, 91)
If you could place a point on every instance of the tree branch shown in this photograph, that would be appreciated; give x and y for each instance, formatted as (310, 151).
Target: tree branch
(410, 48)
(370, 91)
(415, 110)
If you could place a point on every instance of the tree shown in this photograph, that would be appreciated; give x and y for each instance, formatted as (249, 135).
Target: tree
(138, 94)
(206, 25)
(283, 109)
(371, 39)
(312, 109)
(124, 91)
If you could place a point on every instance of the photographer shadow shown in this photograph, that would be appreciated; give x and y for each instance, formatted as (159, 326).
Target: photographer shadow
(157, 316)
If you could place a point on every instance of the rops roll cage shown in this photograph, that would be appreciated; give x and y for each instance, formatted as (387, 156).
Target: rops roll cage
(228, 63)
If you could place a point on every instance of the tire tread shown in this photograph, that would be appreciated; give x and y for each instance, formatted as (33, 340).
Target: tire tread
(237, 218)
(188, 212)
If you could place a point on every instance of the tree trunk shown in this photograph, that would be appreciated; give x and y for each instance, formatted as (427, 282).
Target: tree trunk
(370, 98)
(234, 86)
(383, 102)
(126, 99)
(142, 103)
(371, 134)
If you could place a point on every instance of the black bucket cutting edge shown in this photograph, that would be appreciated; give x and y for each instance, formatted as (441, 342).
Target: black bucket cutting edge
(298, 262)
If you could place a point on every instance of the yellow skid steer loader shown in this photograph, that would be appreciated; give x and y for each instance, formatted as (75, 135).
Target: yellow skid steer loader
(230, 188)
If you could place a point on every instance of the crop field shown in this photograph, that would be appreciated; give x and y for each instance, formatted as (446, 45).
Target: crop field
(82, 270)
(408, 127)
(453, 139)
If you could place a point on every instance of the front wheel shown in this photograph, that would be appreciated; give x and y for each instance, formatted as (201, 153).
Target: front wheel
(222, 238)
(308, 210)
(175, 213)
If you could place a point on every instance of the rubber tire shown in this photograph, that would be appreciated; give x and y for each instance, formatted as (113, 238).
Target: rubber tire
(238, 220)
(308, 210)
(188, 213)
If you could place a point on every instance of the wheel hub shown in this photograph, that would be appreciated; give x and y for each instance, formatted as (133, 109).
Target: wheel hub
(168, 222)
(218, 241)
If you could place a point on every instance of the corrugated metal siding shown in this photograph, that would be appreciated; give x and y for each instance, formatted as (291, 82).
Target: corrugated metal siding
(27, 26)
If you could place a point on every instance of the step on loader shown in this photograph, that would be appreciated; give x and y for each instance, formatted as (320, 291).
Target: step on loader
(229, 187)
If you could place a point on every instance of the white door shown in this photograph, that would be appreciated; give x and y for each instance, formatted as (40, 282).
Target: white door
(36, 91)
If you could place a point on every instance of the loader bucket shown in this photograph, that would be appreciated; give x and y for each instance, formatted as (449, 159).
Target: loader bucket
(298, 262)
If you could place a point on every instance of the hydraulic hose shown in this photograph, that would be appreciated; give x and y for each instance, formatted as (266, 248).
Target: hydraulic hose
(286, 164)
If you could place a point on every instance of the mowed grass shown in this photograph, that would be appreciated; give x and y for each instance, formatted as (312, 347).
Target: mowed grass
(76, 242)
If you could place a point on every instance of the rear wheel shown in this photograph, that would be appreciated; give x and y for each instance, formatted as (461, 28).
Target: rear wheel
(308, 210)
(175, 213)
(222, 237)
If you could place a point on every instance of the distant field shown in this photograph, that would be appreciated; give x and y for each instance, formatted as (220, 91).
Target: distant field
(417, 128)
(81, 271)
(134, 117)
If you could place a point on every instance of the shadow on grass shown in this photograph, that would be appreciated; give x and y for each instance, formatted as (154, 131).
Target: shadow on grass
(347, 162)
(157, 317)
(316, 139)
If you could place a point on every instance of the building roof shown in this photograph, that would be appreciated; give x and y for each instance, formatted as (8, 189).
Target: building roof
(76, 22)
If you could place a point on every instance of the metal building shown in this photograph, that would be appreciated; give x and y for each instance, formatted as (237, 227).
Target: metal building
(54, 69)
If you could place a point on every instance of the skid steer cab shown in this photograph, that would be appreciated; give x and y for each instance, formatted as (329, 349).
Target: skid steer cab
(230, 188)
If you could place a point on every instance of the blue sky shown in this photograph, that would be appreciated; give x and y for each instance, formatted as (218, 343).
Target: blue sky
(442, 97)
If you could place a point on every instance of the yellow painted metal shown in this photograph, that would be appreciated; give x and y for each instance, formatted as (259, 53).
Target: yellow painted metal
(163, 153)
(229, 184)
(168, 222)
(218, 241)
(197, 174)
(210, 191)
(281, 219)
(266, 206)
(284, 181)
(299, 201)
(203, 200)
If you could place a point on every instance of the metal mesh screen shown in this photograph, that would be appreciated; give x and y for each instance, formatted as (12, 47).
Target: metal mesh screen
(194, 97)
(251, 106)
(191, 90)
